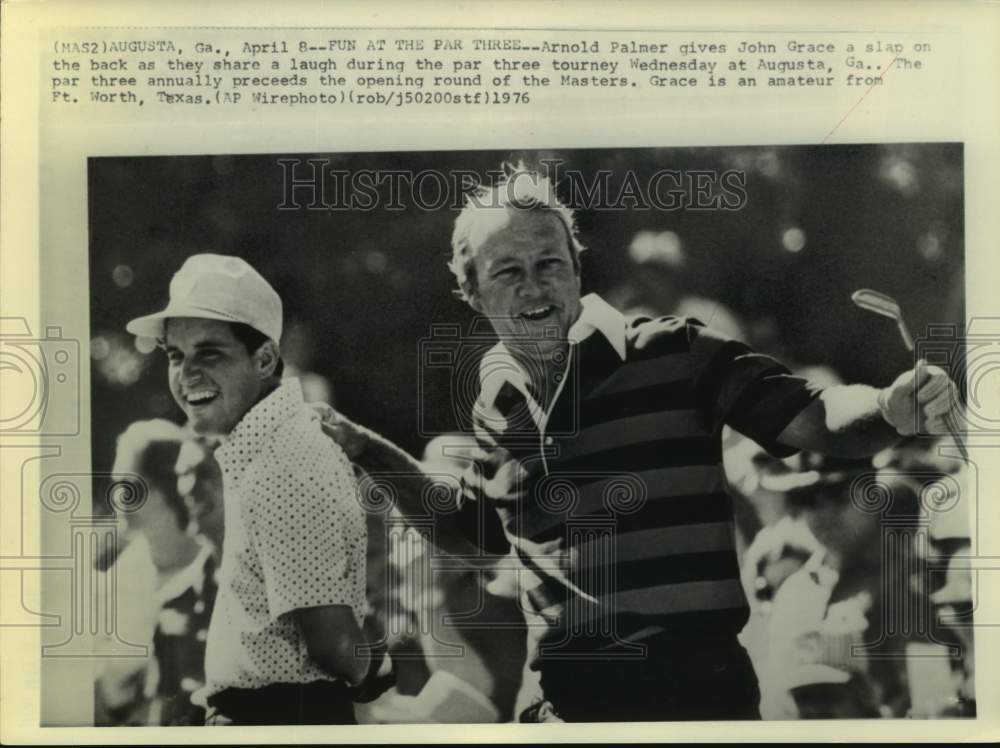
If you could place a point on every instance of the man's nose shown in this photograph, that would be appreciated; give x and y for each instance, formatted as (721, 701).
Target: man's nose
(532, 286)
(189, 370)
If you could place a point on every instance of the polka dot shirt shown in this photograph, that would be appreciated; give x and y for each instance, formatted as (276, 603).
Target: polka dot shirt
(295, 538)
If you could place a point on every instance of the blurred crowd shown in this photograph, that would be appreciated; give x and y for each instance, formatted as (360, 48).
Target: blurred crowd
(165, 560)
(861, 607)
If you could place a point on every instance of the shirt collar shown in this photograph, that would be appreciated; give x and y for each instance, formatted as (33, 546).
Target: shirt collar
(596, 315)
(258, 424)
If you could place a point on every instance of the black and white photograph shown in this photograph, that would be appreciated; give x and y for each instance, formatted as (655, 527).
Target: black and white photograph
(645, 434)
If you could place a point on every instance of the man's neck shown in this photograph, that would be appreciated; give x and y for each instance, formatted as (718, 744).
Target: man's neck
(545, 371)
(268, 387)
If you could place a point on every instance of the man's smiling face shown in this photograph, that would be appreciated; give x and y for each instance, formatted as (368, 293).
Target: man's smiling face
(213, 377)
(526, 280)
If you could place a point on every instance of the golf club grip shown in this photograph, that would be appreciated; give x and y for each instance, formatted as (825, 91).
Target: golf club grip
(957, 436)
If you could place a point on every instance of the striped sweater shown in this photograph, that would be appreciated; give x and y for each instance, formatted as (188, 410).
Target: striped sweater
(614, 500)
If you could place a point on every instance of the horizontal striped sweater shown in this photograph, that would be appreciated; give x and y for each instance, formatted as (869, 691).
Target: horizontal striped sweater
(615, 502)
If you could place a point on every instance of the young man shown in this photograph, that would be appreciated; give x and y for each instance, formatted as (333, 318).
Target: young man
(601, 454)
(285, 645)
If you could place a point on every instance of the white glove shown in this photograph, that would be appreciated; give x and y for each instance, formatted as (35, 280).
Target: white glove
(919, 401)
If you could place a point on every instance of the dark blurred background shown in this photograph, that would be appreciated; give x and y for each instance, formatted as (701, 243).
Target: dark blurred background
(362, 288)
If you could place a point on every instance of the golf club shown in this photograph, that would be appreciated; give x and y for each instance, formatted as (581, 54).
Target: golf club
(886, 306)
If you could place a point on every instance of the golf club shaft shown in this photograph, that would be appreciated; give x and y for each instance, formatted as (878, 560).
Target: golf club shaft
(949, 419)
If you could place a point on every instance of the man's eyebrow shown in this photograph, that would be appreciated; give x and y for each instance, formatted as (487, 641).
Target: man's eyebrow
(210, 343)
(504, 259)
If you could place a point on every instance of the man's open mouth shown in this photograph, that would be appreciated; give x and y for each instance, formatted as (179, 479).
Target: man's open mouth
(200, 397)
(538, 313)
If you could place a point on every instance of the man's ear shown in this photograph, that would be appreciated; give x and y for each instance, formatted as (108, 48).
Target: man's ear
(474, 302)
(266, 359)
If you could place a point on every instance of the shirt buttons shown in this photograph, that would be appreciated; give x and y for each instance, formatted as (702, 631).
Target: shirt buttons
(549, 440)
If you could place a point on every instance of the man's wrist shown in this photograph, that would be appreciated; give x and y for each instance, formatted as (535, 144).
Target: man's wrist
(376, 453)
(361, 445)
(882, 401)
(376, 680)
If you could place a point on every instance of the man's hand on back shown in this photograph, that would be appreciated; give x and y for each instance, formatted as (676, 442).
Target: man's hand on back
(348, 435)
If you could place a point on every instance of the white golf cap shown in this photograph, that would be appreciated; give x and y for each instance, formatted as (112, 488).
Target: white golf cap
(210, 286)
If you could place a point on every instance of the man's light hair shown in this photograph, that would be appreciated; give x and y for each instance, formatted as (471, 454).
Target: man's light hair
(519, 188)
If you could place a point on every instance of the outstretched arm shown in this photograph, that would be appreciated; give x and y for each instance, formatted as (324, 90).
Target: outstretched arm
(383, 459)
(858, 421)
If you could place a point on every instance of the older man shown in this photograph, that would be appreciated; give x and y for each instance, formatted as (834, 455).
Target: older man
(600, 452)
(285, 644)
